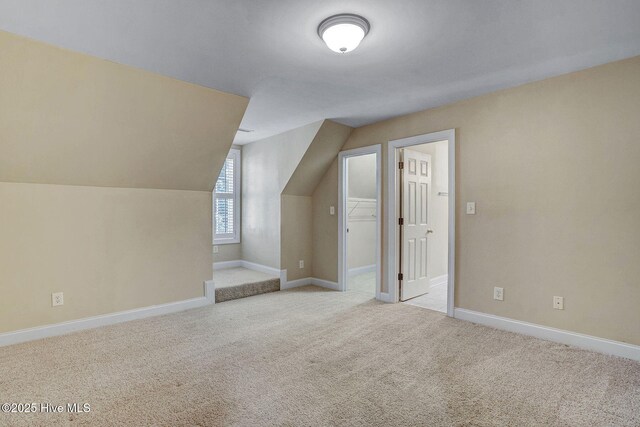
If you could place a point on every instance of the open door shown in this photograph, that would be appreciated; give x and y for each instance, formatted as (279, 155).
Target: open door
(415, 223)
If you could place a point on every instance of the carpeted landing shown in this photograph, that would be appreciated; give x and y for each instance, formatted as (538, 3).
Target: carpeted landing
(311, 357)
(238, 282)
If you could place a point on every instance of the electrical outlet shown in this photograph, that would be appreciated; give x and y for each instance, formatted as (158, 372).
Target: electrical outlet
(216, 250)
(57, 298)
(498, 294)
(332, 210)
(471, 208)
(301, 263)
(558, 303)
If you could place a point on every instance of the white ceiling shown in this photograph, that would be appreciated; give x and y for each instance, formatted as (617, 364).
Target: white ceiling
(419, 53)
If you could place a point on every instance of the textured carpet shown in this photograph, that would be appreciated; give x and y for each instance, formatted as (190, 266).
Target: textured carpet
(246, 290)
(312, 357)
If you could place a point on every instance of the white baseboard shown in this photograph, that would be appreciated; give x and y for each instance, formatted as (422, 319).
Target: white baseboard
(325, 284)
(63, 328)
(361, 270)
(440, 280)
(309, 281)
(227, 264)
(261, 268)
(295, 283)
(246, 264)
(384, 297)
(588, 342)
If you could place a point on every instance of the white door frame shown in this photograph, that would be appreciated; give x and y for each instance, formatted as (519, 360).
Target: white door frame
(391, 212)
(342, 212)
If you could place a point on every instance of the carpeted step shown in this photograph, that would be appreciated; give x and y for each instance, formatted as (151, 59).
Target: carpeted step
(247, 290)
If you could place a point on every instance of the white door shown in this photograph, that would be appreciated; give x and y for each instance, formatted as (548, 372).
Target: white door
(415, 227)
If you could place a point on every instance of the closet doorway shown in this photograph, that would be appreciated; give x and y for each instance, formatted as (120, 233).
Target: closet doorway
(359, 220)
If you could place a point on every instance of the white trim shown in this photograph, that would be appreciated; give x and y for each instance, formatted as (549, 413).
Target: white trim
(342, 205)
(361, 270)
(384, 297)
(283, 278)
(310, 281)
(325, 284)
(588, 342)
(63, 328)
(210, 291)
(261, 268)
(295, 283)
(227, 264)
(391, 210)
(236, 154)
(248, 265)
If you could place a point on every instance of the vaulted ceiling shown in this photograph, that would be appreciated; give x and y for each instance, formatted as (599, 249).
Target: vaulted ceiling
(419, 53)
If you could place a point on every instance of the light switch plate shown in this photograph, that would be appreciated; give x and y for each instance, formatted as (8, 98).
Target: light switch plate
(471, 208)
(215, 250)
(332, 210)
(498, 293)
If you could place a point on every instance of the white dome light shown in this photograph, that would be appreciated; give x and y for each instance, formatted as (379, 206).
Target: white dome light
(343, 33)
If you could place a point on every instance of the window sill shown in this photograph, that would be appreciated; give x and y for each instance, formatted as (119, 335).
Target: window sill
(226, 241)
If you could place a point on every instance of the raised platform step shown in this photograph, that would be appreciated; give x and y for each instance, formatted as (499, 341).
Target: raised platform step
(228, 293)
(239, 282)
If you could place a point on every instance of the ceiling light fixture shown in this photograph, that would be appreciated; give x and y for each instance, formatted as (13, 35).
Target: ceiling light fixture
(343, 33)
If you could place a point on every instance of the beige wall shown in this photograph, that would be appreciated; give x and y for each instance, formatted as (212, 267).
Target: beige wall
(107, 249)
(296, 236)
(69, 118)
(297, 200)
(100, 129)
(267, 166)
(439, 207)
(553, 167)
(228, 252)
(325, 226)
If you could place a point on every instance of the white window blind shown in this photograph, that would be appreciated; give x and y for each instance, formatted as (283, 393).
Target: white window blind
(226, 201)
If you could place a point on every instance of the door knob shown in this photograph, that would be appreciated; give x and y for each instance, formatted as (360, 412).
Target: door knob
(429, 231)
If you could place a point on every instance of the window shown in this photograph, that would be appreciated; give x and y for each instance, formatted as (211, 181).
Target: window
(226, 201)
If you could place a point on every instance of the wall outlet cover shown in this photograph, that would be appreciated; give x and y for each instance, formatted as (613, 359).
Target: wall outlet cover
(558, 303)
(498, 293)
(57, 298)
(301, 263)
(216, 250)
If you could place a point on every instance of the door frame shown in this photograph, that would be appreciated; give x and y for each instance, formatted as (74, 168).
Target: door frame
(392, 232)
(342, 213)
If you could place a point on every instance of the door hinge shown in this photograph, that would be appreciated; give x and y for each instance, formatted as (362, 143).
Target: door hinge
(400, 221)
(400, 276)
(401, 165)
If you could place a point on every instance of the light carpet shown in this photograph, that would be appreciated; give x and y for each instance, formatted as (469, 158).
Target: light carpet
(311, 357)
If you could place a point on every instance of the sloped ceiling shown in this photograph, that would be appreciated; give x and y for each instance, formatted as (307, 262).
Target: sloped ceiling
(68, 118)
(316, 160)
(419, 53)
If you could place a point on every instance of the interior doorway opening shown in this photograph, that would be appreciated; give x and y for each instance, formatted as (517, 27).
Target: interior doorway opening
(359, 220)
(424, 224)
(421, 221)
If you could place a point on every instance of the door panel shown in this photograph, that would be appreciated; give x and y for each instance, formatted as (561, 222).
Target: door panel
(416, 194)
(411, 203)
